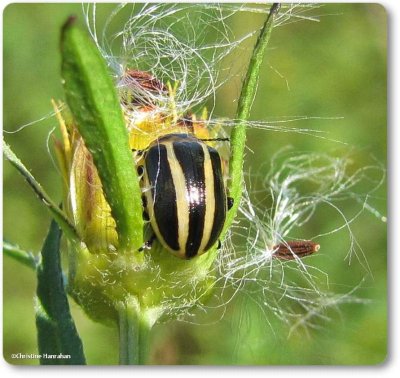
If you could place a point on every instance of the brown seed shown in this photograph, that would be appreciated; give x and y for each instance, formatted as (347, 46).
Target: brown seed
(292, 249)
(146, 80)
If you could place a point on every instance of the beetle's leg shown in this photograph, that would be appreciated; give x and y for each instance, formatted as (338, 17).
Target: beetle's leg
(219, 245)
(145, 215)
(139, 152)
(230, 202)
(144, 201)
(148, 244)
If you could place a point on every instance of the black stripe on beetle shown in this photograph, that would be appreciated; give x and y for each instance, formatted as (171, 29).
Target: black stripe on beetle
(220, 198)
(186, 196)
(163, 197)
(190, 156)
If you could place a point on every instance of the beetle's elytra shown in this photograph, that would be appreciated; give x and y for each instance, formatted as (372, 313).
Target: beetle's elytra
(185, 195)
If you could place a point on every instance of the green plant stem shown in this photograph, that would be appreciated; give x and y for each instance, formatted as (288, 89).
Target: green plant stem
(134, 331)
(59, 216)
(238, 135)
(18, 254)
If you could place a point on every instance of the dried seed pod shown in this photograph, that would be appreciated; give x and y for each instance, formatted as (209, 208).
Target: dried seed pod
(146, 80)
(292, 249)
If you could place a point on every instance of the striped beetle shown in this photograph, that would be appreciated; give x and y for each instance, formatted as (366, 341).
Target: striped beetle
(184, 193)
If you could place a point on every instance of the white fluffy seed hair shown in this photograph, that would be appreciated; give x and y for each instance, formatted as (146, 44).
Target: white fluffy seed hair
(180, 43)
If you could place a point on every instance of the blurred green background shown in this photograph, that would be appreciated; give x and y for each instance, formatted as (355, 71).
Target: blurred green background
(334, 68)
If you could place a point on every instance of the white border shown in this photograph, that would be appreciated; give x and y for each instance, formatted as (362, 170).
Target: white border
(392, 364)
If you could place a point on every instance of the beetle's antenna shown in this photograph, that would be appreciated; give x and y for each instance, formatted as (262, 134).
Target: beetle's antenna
(215, 140)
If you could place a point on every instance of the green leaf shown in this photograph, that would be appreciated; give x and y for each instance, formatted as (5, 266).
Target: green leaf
(248, 92)
(60, 217)
(57, 333)
(18, 254)
(91, 96)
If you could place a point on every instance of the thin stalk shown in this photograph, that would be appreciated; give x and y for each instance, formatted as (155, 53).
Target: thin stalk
(134, 332)
(60, 217)
(248, 92)
(18, 254)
